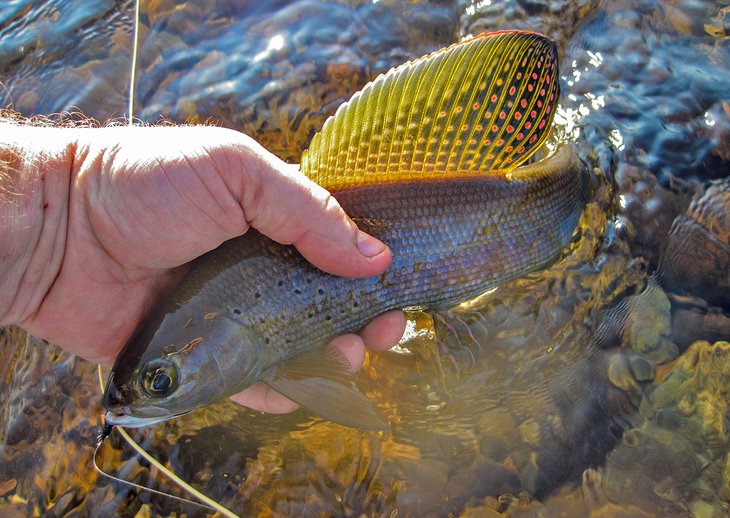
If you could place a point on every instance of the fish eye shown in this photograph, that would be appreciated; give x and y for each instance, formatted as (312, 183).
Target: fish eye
(159, 378)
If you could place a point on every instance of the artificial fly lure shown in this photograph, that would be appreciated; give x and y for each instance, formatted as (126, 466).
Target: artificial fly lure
(105, 429)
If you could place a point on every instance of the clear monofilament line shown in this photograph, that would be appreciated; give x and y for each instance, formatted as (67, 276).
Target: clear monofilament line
(133, 75)
(138, 486)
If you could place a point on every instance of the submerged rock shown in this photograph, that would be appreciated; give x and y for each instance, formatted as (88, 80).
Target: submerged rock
(588, 500)
(675, 460)
(696, 260)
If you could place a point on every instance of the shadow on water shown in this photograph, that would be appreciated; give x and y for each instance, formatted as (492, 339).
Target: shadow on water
(594, 387)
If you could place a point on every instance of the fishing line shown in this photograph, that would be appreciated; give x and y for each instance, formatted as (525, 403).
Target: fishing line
(138, 486)
(133, 75)
(208, 502)
(6, 91)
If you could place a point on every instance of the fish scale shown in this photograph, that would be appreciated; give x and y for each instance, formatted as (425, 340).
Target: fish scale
(442, 256)
(425, 158)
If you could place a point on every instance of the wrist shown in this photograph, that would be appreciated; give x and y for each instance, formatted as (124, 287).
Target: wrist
(35, 177)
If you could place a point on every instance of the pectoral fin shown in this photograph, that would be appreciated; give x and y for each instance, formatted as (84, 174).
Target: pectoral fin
(322, 382)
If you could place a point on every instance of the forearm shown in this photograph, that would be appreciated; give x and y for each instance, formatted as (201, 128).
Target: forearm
(35, 174)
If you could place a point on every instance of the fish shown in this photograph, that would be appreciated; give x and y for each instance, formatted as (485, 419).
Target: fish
(432, 159)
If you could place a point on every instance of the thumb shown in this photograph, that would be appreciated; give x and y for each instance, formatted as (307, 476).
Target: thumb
(282, 203)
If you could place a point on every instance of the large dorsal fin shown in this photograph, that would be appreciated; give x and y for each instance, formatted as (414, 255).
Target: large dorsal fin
(482, 106)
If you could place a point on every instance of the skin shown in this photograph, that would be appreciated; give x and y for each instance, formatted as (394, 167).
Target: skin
(96, 224)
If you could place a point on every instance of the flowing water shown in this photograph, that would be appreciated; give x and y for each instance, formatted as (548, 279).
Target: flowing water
(586, 389)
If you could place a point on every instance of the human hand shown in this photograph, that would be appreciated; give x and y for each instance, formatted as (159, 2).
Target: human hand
(142, 202)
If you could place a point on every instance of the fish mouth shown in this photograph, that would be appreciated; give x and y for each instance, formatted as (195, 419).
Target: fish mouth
(130, 421)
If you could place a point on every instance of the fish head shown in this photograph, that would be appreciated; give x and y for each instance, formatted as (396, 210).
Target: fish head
(179, 362)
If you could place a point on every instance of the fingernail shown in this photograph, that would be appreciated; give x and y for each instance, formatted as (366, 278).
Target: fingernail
(368, 245)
